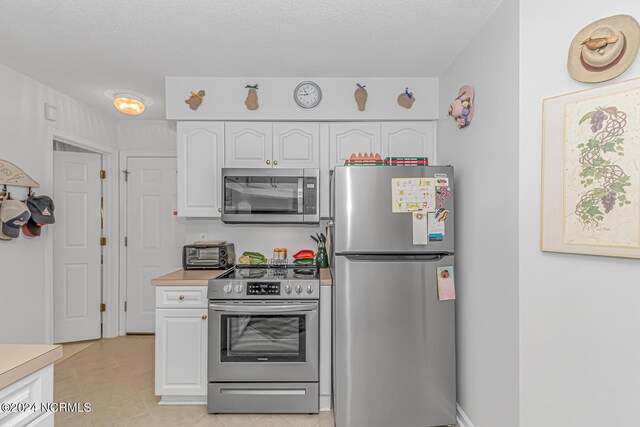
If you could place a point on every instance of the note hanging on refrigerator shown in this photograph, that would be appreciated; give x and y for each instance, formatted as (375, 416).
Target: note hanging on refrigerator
(446, 286)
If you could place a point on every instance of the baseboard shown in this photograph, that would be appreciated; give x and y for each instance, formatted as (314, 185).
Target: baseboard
(183, 400)
(462, 419)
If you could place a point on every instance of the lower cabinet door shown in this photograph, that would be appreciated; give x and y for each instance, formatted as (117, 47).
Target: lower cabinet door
(181, 352)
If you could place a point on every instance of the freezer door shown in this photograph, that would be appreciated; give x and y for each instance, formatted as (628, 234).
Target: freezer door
(364, 222)
(394, 343)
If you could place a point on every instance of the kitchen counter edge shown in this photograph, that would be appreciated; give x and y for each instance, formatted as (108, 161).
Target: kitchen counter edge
(202, 277)
(20, 360)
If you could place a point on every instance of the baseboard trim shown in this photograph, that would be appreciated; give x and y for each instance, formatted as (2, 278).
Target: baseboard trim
(462, 419)
(183, 400)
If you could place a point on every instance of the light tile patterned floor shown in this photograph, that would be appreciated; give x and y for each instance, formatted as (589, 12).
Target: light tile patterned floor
(116, 376)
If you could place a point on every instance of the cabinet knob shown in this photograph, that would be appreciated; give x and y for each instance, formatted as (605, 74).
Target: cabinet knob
(181, 297)
(219, 209)
(275, 162)
(204, 317)
(268, 162)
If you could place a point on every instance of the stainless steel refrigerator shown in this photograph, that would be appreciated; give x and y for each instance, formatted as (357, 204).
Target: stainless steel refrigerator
(394, 340)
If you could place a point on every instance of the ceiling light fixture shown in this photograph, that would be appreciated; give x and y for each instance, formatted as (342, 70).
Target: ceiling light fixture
(127, 101)
(128, 104)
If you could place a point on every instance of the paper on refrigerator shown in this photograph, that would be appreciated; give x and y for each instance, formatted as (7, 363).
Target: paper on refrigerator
(413, 195)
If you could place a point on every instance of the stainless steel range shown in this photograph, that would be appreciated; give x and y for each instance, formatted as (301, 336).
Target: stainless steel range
(264, 340)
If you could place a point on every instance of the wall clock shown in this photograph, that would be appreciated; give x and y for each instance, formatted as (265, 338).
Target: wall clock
(307, 95)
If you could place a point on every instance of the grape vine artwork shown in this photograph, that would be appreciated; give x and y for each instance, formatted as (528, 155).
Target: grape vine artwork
(591, 172)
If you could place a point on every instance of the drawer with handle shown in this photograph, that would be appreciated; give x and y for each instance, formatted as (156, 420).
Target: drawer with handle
(181, 297)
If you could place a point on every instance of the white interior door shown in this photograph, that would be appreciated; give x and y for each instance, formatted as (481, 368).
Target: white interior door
(154, 236)
(77, 276)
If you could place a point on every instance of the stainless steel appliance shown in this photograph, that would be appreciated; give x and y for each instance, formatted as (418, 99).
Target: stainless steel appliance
(264, 340)
(270, 195)
(208, 256)
(394, 341)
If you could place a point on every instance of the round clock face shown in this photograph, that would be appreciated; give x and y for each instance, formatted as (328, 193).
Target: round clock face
(307, 95)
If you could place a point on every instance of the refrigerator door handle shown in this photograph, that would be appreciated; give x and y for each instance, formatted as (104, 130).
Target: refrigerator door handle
(394, 257)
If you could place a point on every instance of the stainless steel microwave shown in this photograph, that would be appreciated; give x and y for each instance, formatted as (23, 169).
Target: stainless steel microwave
(270, 195)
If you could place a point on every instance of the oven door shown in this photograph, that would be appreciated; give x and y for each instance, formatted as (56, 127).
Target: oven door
(263, 341)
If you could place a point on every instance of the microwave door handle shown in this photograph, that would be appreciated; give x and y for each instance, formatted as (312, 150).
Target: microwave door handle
(245, 308)
(300, 195)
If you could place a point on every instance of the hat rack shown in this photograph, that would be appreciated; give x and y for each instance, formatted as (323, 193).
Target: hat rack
(13, 176)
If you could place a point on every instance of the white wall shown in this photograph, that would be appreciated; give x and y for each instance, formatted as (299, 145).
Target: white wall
(23, 139)
(147, 135)
(485, 158)
(579, 317)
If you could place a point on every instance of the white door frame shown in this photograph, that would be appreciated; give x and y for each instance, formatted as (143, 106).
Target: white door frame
(124, 156)
(111, 224)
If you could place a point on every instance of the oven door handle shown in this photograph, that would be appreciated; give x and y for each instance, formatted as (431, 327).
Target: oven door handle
(254, 308)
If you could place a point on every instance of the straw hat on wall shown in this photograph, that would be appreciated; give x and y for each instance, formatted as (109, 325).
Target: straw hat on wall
(604, 49)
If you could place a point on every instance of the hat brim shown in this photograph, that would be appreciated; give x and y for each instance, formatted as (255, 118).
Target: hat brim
(627, 26)
(9, 231)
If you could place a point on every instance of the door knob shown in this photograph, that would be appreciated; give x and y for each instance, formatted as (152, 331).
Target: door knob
(204, 317)
(219, 209)
(275, 162)
(181, 297)
(268, 162)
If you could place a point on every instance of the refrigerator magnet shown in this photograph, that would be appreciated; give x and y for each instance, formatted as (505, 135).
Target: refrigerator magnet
(420, 231)
(436, 227)
(446, 284)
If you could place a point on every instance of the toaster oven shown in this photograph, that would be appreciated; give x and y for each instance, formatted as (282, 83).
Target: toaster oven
(208, 256)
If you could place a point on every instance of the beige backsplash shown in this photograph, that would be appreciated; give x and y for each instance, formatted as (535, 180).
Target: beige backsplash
(255, 237)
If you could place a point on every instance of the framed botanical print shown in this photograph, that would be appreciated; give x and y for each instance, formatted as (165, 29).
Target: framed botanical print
(591, 172)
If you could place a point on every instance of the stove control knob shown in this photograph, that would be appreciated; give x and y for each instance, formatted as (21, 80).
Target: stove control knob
(288, 289)
(238, 289)
(299, 288)
(227, 288)
(309, 289)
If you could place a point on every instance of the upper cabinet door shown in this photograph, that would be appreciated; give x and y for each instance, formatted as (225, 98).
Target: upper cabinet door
(347, 138)
(248, 145)
(409, 139)
(296, 145)
(200, 160)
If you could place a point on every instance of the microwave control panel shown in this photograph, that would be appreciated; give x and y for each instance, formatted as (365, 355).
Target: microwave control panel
(263, 288)
(310, 195)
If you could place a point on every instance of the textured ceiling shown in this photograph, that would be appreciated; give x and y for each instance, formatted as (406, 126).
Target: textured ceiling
(83, 48)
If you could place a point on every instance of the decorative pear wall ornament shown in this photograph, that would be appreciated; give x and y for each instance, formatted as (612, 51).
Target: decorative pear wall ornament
(252, 97)
(361, 96)
(195, 100)
(406, 99)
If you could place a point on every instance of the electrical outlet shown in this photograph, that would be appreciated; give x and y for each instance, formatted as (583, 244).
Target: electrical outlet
(203, 236)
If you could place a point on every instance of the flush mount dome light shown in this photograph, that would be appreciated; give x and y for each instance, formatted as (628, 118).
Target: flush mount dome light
(128, 102)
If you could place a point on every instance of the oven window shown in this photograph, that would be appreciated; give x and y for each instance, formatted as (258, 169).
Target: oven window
(263, 338)
(261, 195)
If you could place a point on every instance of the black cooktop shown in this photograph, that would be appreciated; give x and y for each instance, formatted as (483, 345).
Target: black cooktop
(277, 273)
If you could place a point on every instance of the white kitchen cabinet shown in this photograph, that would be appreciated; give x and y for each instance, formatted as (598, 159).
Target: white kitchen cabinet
(296, 145)
(34, 388)
(181, 352)
(200, 160)
(326, 344)
(357, 137)
(248, 144)
(409, 139)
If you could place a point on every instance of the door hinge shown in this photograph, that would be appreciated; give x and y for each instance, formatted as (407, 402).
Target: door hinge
(103, 307)
(126, 240)
(126, 175)
(125, 306)
(103, 241)
(103, 174)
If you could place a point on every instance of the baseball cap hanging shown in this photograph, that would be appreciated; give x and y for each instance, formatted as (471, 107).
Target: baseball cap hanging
(31, 229)
(13, 215)
(604, 49)
(41, 208)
